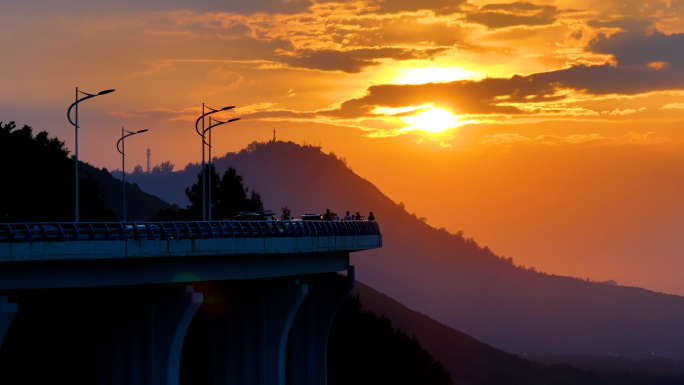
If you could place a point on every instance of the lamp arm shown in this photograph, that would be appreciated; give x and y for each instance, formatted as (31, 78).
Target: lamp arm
(210, 127)
(120, 140)
(74, 105)
(213, 111)
(200, 118)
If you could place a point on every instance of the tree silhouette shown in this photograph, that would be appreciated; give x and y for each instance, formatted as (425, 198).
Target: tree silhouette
(364, 348)
(233, 193)
(228, 197)
(38, 180)
(194, 192)
(233, 196)
(164, 168)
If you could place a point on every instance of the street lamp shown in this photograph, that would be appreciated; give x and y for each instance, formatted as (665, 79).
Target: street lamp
(209, 144)
(123, 162)
(211, 111)
(75, 124)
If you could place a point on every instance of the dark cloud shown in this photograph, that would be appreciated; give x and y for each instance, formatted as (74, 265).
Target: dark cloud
(353, 61)
(214, 6)
(630, 49)
(631, 25)
(643, 8)
(279, 114)
(461, 96)
(395, 31)
(439, 7)
(606, 79)
(513, 14)
(489, 96)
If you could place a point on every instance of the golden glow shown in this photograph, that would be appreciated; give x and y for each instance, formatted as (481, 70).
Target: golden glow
(400, 110)
(423, 75)
(434, 120)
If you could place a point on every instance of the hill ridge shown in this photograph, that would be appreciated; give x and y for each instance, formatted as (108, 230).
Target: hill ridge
(456, 281)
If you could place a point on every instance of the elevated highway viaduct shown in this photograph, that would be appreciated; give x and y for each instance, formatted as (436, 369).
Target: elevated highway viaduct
(150, 303)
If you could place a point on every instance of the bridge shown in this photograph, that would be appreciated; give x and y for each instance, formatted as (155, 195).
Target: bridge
(246, 302)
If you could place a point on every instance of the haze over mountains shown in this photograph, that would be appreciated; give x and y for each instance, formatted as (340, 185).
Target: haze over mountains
(450, 278)
(472, 362)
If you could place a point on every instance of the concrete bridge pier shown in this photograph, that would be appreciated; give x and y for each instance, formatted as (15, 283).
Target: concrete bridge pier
(7, 312)
(308, 339)
(248, 328)
(139, 333)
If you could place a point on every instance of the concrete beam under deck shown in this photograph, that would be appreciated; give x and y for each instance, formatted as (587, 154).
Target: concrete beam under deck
(139, 271)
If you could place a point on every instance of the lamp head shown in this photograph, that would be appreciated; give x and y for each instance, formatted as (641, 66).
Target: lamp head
(227, 108)
(141, 131)
(105, 92)
(233, 120)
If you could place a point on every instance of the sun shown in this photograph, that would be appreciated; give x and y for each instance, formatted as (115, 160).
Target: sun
(433, 120)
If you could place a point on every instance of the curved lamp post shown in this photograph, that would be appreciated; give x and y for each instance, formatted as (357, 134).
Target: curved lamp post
(211, 111)
(209, 145)
(123, 162)
(75, 124)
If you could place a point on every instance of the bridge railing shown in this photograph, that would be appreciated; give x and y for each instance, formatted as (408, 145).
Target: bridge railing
(89, 231)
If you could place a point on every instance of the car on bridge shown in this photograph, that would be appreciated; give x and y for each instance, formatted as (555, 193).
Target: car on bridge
(260, 215)
(311, 217)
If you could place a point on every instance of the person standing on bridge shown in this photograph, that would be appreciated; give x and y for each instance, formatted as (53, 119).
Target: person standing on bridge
(371, 217)
(347, 217)
(326, 216)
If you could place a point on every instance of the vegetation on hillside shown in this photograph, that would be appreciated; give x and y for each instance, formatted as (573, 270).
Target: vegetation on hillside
(364, 349)
(228, 196)
(38, 180)
(614, 364)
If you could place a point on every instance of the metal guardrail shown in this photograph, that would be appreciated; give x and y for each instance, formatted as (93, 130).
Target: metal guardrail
(89, 231)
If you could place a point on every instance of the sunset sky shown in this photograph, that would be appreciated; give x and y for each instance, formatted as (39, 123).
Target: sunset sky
(550, 131)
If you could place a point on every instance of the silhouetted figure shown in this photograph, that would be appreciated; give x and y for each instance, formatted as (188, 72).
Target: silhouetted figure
(335, 217)
(287, 214)
(371, 217)
(358, 216)
(347, 217)
(327, 216)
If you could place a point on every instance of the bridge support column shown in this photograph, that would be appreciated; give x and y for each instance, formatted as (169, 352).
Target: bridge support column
(139, 334)
(249, 332)
(308, 341)
(7, 312)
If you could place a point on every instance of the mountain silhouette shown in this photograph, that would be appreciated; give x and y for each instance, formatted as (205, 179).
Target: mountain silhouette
(450, 277)
(140, 205)
(470, 361)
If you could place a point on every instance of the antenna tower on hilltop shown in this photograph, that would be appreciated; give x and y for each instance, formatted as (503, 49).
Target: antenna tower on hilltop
(149, 164)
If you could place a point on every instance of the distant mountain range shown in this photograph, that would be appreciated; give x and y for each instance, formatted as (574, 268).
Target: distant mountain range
(472, 362)
(140, 205)
(449, 277)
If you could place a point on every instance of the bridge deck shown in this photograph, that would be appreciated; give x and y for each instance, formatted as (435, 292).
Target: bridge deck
(53, 255)
(94, 231)
(24, 242)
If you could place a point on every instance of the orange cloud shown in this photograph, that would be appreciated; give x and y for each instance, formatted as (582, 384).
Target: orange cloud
(513, 14)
